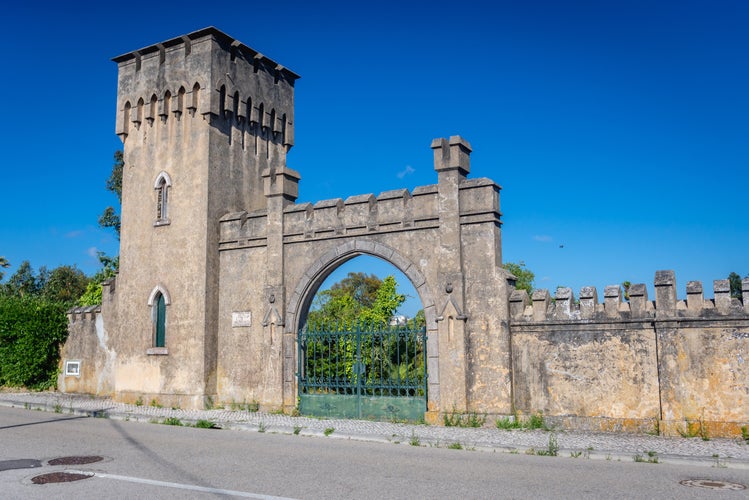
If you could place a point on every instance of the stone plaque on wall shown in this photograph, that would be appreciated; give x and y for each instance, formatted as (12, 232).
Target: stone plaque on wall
(241, 318)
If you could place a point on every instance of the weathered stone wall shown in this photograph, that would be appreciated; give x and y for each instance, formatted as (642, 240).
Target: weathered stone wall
(238, 263)
(87, 344)
(304, 243)
(636, 364)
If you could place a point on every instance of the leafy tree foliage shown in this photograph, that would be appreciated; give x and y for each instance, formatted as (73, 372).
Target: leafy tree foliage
(357, 298)
(31, 331)
(524, 275)
(24, 282)
(92, 295)
(65, 284)
(357, 308)
(110, 217)
(734, 280)
(3, 264)
(360, 286)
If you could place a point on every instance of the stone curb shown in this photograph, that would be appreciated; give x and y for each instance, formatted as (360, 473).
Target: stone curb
(448, 435)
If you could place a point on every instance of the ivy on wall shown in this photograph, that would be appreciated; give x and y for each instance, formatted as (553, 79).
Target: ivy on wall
(32, 329)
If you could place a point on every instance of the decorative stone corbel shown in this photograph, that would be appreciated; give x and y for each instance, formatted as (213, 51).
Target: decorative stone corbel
(454, 310)
(272, 316)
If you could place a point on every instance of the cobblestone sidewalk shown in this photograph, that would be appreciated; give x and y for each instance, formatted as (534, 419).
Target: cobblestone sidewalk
(733, 453)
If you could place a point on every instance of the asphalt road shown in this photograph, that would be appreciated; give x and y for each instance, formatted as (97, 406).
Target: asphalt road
(159, 461)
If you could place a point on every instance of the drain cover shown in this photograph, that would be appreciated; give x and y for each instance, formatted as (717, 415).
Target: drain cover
(712, 484)
(59, 477)
(75, 460)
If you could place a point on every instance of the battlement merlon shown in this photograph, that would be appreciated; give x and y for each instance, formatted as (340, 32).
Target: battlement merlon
(206, 72)
(454, 154)
(540, 308)
(186, 42)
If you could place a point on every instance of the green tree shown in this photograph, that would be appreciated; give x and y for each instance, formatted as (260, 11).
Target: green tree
(92, 294)
(4, 264)
(386, 303)
(419, 321)
(110, 217)
(734, 280)
(524, 275)
(360, 286)
(65, 284)
(24, 282)
(357, 298)
(31, 332)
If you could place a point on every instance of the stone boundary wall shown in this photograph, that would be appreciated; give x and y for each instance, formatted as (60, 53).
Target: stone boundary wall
(673, 366)
(86, 346)
(390, 211)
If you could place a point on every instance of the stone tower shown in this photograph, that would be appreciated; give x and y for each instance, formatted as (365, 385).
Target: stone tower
(201, 117)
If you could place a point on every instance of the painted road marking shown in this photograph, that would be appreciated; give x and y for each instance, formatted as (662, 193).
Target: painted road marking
(180, 486)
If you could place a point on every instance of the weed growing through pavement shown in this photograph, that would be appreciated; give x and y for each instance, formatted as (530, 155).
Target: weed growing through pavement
(457, 419)
(552, 449)
(206, 424)
(261, 427)
(745, 433)
(652, 457)
(58, 408)
(297, 429)
(172, 421)
(694, 429)
(535, 421)
(414, 441)
(455, 446)
(328, 431)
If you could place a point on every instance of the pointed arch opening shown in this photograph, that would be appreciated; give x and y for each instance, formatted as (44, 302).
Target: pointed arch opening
(371, 362)
(158, 302)
(162, 186)
(179, 109)
(194, 100)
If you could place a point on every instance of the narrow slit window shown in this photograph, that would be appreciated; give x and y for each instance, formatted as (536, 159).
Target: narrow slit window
(159, 321)
(161, 201)
(162, 186)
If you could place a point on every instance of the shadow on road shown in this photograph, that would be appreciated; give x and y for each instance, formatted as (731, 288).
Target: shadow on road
(43, 422)
(155, 457)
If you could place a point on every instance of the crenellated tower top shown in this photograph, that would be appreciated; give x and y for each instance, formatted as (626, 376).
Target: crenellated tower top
(210, 74)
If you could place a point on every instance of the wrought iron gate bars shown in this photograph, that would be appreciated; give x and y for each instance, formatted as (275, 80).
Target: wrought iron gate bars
(362, 360)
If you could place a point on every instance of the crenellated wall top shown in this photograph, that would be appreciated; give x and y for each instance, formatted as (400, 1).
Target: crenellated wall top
(542, 307)
(184, 42)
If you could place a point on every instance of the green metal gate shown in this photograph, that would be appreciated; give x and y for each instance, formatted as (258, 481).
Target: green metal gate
(359, 371)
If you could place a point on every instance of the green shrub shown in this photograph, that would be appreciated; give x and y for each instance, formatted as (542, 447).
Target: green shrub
(31, 332)
(206, 424)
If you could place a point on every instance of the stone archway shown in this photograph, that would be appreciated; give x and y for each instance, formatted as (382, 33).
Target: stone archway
(307, 286)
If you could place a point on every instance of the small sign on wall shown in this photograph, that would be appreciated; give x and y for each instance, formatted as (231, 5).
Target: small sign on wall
(241, 318)
(73, 368)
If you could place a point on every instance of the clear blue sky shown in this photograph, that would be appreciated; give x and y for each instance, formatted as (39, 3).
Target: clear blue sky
(619, 131)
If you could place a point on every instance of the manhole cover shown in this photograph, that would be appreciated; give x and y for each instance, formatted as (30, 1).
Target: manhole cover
(59, 477)
(75, 460)
(712, 484)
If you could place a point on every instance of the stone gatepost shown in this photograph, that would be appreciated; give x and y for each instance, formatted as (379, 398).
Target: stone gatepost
(452, 163)
(281, 188)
